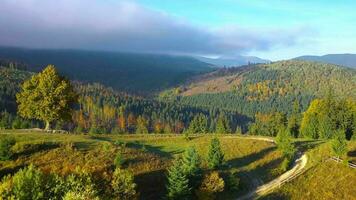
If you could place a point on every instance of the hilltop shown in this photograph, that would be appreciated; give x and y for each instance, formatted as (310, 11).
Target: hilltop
(348, 60)
(265, 87)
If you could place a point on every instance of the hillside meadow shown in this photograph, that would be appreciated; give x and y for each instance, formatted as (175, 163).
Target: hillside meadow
(146, 156)
(323, 178)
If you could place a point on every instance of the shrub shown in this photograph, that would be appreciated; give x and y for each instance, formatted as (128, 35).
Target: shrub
(232, 181)
(211, 185)
(55, 187)
(6, 189)
(285, 164)
(215, 155)
(79, 181)
(123, 184)
(119, 160)
(87, 194)
(6, 144)
(28, 184)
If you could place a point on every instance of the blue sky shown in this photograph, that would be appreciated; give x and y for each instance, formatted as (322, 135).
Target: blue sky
(332, 24)
(272, 29)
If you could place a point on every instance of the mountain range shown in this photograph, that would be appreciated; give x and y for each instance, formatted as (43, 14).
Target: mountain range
(132, 72)
(234, 61)
(348, 60)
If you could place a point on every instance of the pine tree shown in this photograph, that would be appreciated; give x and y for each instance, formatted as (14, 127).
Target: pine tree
(222, 125)
(191, 163)
(199, 124)
(339, 145)
(284, 143)
(294, 120)
(178, 182)
(141, 125)
(238, 130)
(215, 154)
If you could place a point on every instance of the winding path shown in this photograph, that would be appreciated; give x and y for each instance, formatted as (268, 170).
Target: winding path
(297, 169)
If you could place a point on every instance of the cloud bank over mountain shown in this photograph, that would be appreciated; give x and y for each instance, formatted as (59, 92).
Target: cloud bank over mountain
(128, 26)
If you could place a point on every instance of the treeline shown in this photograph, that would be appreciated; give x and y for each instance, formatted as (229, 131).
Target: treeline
(322, 120)
(103, 110)
(266, 88)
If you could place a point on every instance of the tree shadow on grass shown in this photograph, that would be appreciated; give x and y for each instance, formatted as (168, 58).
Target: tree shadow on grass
(352, 154)
(264, 172)
(10, 171)
(275, 196)
(101, 138)
(152, 149)
(246, 160)
(151, 185)
(29, 149)
(303, 146)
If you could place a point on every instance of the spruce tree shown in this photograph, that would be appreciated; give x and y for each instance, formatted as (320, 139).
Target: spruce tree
(141, 125)
(199, 124)
(178, 182)
(222, 125)
(294, 120)
(191, 163)
(215, 154)
(339, 145)
(284, 143)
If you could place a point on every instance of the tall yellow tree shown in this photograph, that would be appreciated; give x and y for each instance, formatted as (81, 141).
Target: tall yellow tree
(46, 96)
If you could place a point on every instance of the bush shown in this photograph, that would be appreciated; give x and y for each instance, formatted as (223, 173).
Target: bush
(123, 185)
(232, 181)
(6, 144)
(285, 164)
(119, 160)
(87, 194)
(6, 186)
(28, 184)
(79, 181)
(211, 185)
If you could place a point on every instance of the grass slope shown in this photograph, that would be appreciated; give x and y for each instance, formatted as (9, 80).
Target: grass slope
(324, 179)
(147, 156)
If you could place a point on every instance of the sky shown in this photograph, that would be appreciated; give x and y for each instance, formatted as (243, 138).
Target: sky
(271, 29)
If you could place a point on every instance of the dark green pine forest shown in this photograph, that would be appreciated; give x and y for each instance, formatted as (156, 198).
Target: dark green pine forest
(266, 88)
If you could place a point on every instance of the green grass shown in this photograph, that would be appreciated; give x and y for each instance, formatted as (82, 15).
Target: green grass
(324, 179)
(147, 156)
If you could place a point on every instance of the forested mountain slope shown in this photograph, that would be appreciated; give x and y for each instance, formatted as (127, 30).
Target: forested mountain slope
(265, 87)
(139, 73)
(102, 109)
(348, 60)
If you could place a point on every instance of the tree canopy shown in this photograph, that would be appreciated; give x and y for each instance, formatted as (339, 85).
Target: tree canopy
(46, 96)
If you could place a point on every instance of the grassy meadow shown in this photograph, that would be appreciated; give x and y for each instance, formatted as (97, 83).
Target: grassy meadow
(147, 156)
(324, 178)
